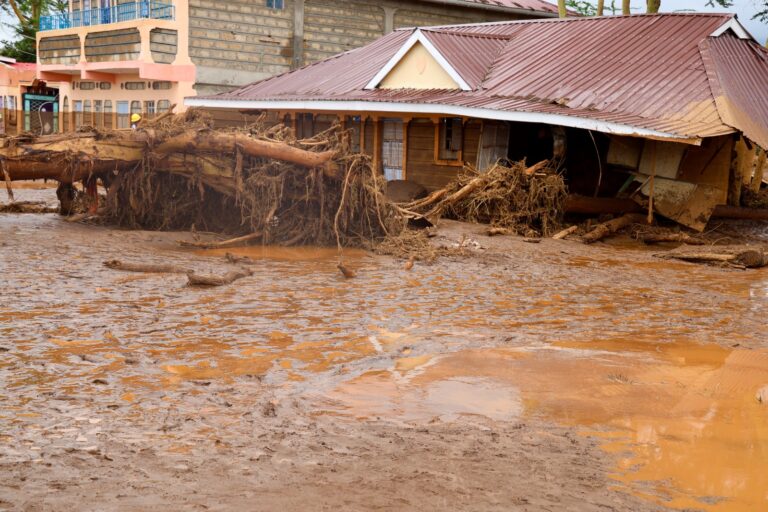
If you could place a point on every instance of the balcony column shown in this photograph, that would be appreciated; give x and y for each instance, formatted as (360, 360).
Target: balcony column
(181, 15)
(145, 54)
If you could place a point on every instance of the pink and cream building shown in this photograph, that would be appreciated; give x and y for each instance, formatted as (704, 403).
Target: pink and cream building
(118, 57)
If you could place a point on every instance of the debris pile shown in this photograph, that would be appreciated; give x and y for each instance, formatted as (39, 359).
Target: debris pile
(178, 173)
(527, 200)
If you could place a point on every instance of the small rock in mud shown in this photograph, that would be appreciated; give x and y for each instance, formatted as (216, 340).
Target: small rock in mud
(762, 395)
(269, 410)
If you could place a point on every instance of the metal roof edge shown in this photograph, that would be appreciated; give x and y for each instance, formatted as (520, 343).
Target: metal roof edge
(736, 27)
(574, 19)
(498, 8)
(447, 110)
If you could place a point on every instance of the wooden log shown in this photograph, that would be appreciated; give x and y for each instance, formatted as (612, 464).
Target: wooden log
(145, 267)
(238, 260)
(745, 258)
(221, 245)
(657, 238)
(564, 233)
(740, 213)
(229, 142)
(214, 280)
(536, 167)
(497, 231)
(612, 226)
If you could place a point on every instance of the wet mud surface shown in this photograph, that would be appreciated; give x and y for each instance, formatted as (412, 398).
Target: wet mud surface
(547, 376)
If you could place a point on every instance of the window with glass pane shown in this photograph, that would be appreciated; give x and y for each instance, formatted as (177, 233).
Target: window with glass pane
(276, 4)
(163, 106)
(108, 114)
(451, 136)
(149, 107)
(123, 115)
(78, 113)
(97, 117)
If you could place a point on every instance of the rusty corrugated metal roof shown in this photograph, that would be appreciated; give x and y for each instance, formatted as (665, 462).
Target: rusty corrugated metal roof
(471, 55)
(738, 73)
(528, 5)
(645, 71)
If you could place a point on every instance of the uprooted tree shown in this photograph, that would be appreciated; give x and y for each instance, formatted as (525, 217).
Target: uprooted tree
(179, 173)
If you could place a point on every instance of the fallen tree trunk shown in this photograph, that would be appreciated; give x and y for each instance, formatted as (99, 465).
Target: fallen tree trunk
(612, 226)
(657, 238)
(194, 143)
(73, 157)
(213, 280)
(564, 233)
(747, 258)
(223, 244)
(145, 267)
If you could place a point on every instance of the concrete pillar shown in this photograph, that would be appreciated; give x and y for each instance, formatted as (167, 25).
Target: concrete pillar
(389, 18)
(298, 34)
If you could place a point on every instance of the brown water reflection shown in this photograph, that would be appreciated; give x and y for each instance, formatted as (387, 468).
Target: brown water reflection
(682, 416)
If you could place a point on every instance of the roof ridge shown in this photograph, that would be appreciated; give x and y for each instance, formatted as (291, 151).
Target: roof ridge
(479, 35)
(574, 19)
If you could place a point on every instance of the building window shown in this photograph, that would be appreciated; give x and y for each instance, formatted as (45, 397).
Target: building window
(87, 113)
(149, 107)
(163, 106)
(392, 149)
(123, 115)
(98, 120)
(108, 114)
(135, 86)
(105, 86)
(135, 107)
(161, 86)
(87, 86)
(450, 134)
(276, 4)
(78, 114)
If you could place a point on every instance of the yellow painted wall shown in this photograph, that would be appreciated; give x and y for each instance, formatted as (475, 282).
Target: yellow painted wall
(418, 70)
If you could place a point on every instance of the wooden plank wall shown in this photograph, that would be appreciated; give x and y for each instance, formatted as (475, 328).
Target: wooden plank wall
(421, 166)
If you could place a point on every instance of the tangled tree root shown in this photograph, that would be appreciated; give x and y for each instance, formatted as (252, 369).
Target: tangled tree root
(528, 200)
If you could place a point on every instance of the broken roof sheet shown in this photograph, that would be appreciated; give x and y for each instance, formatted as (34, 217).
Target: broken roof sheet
(625, 74)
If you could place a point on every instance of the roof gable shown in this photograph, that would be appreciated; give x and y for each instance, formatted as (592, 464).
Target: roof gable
(418, 69)
(406, 58)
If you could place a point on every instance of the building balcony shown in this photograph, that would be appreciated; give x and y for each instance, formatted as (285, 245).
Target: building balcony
(107, 15)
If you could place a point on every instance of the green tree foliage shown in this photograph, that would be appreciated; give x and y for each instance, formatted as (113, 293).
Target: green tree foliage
(27, 14)
(583, 7)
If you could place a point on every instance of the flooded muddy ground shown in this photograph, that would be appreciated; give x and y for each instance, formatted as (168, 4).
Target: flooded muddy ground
(550, 376)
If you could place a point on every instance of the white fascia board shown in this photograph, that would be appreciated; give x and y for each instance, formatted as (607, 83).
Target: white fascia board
(736, 26)
(418, 37)
(444, 110)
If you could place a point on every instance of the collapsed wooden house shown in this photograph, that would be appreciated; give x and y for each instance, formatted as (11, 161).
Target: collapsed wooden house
(666, 109)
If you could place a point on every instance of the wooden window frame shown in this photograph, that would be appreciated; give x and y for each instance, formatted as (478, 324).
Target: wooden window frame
(459, 161)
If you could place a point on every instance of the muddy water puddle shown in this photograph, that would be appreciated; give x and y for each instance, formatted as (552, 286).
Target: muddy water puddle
(682, 417)
(660, 361)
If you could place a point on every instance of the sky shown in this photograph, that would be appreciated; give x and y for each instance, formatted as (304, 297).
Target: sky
(745, 9)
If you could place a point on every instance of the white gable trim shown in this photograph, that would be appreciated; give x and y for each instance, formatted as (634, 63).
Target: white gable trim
(418, 37)
(732, 24)
(444, 110)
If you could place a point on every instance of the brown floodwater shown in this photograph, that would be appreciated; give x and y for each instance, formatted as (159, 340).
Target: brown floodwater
(660, 361)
